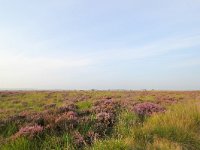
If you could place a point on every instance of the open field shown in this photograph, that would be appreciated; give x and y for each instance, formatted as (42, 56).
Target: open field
(100, 120)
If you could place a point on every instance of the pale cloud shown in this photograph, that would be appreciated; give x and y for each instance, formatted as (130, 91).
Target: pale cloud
(43, 72)
(42, 62)
(186, 63)
(156, 48)
(13, 64)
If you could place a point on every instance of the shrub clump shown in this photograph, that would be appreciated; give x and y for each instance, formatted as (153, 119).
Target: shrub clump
(67, 121)
(78, 140)
(43, 119)
(147, 109)
(91, 136)
(106, 112)
(29, 131)
(108, 106)
(104, 123)
(63, 109)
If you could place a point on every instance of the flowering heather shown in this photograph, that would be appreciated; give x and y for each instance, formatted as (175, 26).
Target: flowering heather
(167, 99)
(43, 119)
(91, 137)
(18, 118)
(104, 123)
(72, 115)
(63, 109)
(29, 131)
(105, 111)
(147, 108)
(97, 120)
(108, 106)
(67, 121)
(105, 117)
(78, 140)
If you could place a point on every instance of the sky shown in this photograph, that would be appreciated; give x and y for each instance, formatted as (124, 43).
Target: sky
(101, 44)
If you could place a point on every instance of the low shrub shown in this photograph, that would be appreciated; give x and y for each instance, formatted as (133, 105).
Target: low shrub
(146, 109)
(66, 122)
(29, 131)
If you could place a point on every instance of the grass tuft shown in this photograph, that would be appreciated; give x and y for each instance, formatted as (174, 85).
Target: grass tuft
(84, 105)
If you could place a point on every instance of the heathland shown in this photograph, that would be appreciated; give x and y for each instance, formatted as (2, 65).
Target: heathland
(100, 120)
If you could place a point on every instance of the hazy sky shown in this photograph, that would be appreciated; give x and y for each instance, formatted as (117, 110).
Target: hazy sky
(101, 44)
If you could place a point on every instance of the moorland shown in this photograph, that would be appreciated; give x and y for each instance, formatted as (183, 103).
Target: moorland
(100, 120)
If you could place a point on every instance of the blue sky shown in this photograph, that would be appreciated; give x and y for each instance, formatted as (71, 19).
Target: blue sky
(85, 44)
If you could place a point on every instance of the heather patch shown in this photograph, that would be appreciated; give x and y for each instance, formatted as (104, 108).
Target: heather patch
(146, 109)
(98, 120)
(66, 122)
(29, 131)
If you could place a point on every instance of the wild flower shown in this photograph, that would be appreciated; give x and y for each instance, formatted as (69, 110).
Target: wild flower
(63, 109)
(147, 108)
(29, 131)
(67, 121)
(104, 123)
(43, 119)
(105, 106)
(72, 115)
(79, 140)
(105, 117)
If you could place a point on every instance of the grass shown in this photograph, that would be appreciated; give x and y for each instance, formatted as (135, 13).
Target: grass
(8, 130)
(110, 144)
(180, 125)
(147, 98)
(84, 105)
(176, 129)
(47, 143)
(126, 121)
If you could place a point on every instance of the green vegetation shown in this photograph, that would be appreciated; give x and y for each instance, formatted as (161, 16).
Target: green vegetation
(111, 144)
(178, 128)
(84, 105)
(100, 120)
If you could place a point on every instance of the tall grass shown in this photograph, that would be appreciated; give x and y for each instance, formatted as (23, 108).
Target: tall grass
(46, 143)
(180, 125)
(8, 129)
(110, 144)
(176, 129)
